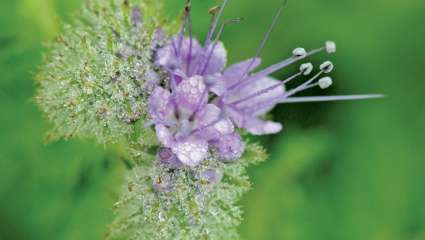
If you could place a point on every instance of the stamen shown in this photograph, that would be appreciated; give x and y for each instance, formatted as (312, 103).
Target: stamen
(215, 23)
(285, 95)
(331, 98)
(272, 69)
(212, 123)
(308, 84)
(268, 89)
(189, 57)
(183, 30)
(266, 37)
(327, 67)
(330, 47)
(173, 44)
(325, 82)
(299, 53)
(306, 68)
(220, 33)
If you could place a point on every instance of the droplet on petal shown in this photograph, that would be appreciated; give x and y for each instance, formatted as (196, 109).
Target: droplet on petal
(159, 104)
(258, 126)
(230, 147)
(190, 94)
(191, 152)
(164, 135)
(217, 60)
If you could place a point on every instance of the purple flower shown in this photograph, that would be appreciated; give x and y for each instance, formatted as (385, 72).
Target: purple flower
(185, 122)
(205, 99)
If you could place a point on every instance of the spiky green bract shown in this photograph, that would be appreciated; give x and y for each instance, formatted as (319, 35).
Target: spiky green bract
(159, 203)
(93, 81)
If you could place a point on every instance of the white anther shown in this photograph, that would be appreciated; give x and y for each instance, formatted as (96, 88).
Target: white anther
(327, 67)
(306, 68)
(330, 47)
(325, 82)
(299, 53)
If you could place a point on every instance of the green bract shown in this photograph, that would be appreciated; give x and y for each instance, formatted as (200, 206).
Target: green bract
(184, 206)
(87, 87)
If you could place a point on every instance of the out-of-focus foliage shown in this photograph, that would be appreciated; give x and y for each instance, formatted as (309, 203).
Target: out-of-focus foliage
(338, 171)
(94, 79)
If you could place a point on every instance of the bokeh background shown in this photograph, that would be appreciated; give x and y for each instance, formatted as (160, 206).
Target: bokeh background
(346, 170)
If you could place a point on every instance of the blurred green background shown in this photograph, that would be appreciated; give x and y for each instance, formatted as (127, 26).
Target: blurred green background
(346, 170)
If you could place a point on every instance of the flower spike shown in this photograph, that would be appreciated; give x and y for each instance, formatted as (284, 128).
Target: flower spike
(177, 108)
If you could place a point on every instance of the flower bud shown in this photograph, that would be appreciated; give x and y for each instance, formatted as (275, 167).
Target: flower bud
(211, 176)
(167, 158)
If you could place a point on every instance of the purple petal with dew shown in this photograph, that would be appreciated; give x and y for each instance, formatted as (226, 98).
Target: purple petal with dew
(160, 107)
(191, 152)
(258, 126)
(190, 95)
(230, 147)
(216, 59)
(263, 90)
(166, 57)
(205, 116)
(210, 124)
(189, 56)
(164, 135)
(235, 72)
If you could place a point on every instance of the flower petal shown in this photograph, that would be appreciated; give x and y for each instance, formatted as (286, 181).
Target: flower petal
(258, 92)
(220, 84)
(216, 60)
(190, 95)
(160, 107)
(210, 124)
(230, 147)
(191, 152)
(164, 135)
(257, 126)
(189, 56)
(235, 72)
(182, 60)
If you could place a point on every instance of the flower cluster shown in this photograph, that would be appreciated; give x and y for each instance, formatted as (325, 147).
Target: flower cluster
(203, 102)
(121, 67)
